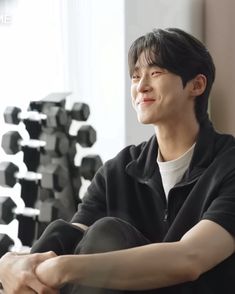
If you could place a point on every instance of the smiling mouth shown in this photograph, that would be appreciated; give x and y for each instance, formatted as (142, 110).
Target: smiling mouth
(145, 101)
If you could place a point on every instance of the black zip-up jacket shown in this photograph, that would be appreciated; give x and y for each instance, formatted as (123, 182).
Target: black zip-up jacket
(130, 187)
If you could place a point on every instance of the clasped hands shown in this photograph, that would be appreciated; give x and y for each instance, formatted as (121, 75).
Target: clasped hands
(31, 273)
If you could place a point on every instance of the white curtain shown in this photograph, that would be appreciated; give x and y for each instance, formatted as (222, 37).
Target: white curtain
(32, 53)
(32, 63)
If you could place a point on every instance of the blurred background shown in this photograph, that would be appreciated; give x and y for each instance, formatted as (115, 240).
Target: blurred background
(80, 46)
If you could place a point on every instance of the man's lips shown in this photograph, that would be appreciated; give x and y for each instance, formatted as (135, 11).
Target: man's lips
(145, 100)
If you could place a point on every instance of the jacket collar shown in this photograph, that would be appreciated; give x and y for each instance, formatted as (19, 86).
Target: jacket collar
(203, 152)
(143, 167)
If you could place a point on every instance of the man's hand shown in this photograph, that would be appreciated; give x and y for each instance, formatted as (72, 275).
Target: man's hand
(53, 272)
(17, 273)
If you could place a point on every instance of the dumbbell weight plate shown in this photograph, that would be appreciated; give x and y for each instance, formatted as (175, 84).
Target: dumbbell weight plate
(89, 166)
(80, 111)
(6, 210)
(54, 177)
(5, 244)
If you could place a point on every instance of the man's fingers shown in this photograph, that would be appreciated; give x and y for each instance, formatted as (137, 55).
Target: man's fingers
(18, 273)
(25, 291)
(38, 287)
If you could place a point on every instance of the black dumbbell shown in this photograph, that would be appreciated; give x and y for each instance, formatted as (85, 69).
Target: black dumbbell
(46, 211)
(27, 219)
(86, 136)
(44, 194)
(6, 210)
(89, 166)
(5, 244)
(32, 220)
(29, 192)
(31, 158)
(9, 210)
(27, 224)
(54, 117)
(51, 209)
(79, 111)
(34, 128)
(55, 144)
(51, 176)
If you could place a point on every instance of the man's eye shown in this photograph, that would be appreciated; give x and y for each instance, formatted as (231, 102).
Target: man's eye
(156, 72)
(135, 76)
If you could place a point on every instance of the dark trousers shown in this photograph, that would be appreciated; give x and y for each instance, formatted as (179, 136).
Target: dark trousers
(106, 234)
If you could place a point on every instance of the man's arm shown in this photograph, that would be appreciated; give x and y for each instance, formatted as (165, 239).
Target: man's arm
(146, 267)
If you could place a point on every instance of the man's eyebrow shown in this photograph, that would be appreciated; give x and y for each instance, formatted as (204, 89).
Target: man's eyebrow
(137, 68)
(153, 65)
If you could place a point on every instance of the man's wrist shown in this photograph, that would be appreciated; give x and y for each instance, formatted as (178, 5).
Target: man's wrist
(69, 266)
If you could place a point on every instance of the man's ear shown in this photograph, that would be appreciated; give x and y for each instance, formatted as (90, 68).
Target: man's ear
(198, 85)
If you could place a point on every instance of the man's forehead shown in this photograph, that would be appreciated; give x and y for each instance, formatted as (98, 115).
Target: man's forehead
(146, 59)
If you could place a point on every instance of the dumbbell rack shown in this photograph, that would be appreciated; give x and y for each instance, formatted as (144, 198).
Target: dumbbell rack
(43, 205)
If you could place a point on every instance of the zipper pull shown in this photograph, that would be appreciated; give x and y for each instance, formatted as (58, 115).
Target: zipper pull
(165, 215)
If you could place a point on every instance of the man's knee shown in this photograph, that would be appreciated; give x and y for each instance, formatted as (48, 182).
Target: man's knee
(106, 225)
(60, 237)
(106, 234)
(56, 226)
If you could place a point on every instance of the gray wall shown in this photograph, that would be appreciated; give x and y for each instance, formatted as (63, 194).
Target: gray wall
(141, 17)
(220, 39)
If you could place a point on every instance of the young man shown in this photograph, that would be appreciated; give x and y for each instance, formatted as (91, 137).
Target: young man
(159, 217)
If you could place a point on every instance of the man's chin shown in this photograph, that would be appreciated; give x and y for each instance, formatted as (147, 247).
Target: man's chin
(144, 121)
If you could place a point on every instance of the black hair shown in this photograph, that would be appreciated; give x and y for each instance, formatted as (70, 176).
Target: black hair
(181, 54)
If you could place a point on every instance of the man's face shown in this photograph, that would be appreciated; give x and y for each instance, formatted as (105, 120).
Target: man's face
(158, 95)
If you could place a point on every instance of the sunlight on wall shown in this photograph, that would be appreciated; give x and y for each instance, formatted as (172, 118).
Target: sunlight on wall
(51, 46)
(31, 54)
(32, 65)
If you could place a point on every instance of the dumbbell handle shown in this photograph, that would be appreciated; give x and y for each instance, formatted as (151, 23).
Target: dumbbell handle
(51, 176)
(26, 211)
(55, 144)
(32, 115)
(32, 143)
(54, 116)
(28, 175)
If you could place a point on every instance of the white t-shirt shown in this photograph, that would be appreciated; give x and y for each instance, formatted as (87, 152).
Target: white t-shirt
(172, 171)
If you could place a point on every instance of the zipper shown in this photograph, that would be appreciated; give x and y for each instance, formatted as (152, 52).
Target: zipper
(165, 219)
(177, 186)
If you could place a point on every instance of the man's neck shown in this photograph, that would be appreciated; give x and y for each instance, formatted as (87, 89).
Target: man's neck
(175, 140)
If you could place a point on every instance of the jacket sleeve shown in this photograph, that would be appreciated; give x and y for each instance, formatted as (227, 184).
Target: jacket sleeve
(222, 209)
(93, 206)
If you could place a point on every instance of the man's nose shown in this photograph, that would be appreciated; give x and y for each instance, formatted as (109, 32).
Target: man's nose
(144, 85)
